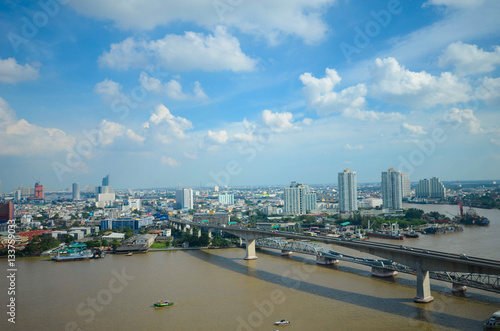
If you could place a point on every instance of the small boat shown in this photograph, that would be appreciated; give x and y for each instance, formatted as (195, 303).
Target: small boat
(493, 323)
(282, 322)
(128, 254)
(163, 303)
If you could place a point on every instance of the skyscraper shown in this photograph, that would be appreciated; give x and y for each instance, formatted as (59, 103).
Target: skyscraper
(184, 198)
(299, 199)
(348, 191)
(226, 198)
(432, 188)
(392, 196)
(105, 181)
(76, 191)
(406, 185)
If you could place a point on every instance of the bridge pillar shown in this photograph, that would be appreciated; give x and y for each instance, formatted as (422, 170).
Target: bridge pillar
(458, 288)
(241, 242)
(210, 233)
(199, 232)
(423, 286)
(320, 259)
(191, 230)
(383, 272)
(250, 249)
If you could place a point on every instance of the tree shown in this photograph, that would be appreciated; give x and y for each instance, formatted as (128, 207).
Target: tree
(115, 244)
(104, 242)
(414, 213)
(67, 238)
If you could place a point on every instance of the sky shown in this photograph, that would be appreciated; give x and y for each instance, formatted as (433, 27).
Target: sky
(164, 93)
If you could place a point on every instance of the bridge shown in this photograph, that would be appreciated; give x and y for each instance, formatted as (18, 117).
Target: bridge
(420, 262)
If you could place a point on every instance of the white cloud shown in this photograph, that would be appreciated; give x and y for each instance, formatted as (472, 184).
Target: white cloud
(272, 19)
(170, 161)
(462, 4)
(219, 51)
(488, 90)
(495, 141)
(11, 72)
(111, 131)
(21, 138)
(173, 125)
(110, 91)
(192, 156)
(469, 59)
(172, 89)
(321, 97)
(219, 137)
(418, 89)
(353, 147)
(370, 115)
(278, 122)
(463, 117)
(412, 130)
(134, 136)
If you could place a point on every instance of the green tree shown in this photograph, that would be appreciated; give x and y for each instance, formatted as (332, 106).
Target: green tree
(104, 242)
(115, 244)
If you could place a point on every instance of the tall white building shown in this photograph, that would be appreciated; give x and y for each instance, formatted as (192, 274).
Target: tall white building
(392, 195)
(406, 185)
(226, 198)
(184, 198)
(76, 191)
(348, 191)
(432, 188)
(299, 199)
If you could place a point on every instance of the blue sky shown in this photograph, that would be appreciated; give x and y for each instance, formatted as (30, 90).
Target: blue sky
(165, 93)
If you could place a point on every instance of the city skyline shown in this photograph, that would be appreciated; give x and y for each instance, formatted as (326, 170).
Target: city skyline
(202, 95)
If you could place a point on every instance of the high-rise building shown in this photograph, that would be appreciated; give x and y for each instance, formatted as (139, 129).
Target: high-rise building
(432, 188)
(406, 185)
(76, 191)
(299, 199)
(392, 195)
(184, 198)
(38, 192)
(226, 198)
(105, 181)
(348, 191)
(6, 211)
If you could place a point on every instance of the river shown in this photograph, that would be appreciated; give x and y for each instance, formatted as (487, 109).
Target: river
(216, 289)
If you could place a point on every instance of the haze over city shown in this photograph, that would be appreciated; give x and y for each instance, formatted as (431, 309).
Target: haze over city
(248, 93)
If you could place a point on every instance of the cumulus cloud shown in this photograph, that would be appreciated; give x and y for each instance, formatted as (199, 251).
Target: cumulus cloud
(215, 52)
(272, 19)
(469, 59)
(11, 72)
(277, 122)
(192, 156)
(320, 95)
(21, 138)
(465, 118)
(134, 136)
(415, 89)
(172, 88)
(218, 137)
(169, 124)
(488, 89)
(412, 130)
(110, 91)
(170, 161)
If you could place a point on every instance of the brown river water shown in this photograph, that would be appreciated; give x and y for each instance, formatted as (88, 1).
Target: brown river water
(217, 289)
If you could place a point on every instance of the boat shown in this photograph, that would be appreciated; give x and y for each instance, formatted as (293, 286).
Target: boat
(393, 234)
(163, 303)
(282, 322)
(84, 255)
(470, 217)
(411, 233)
(492, 323)
(440, 229)
(128, 254)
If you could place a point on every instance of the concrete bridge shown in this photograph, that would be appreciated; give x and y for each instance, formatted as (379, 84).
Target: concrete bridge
(420, 260)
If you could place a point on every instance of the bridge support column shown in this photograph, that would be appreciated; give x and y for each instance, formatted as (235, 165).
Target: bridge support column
(250, 249)
(458, 288)
(383, 272)
(210, 233)
(241, 242)
(199, 232)
(191, 230)
(320, 259)
(423, 287)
